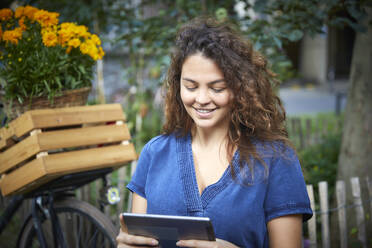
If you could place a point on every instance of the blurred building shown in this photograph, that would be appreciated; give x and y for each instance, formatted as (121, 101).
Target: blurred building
(324, 59)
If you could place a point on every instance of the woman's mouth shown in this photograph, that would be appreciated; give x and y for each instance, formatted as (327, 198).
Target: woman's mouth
(204, 113)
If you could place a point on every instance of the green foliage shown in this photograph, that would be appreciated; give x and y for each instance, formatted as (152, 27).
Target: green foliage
(319, 162)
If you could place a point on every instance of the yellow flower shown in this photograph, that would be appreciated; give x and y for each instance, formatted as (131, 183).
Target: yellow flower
(19, 59)
(74, 42)
(84, 48)
(64, 35)
(101, 53)
(81, 31)
(67, 25)
(5, 14)
(46, 18)
(13, 36)
(50, 39)
(95, 39)
(49, 29)
(1, 33)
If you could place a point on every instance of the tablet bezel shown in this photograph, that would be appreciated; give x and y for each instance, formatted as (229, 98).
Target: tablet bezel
(184, 227)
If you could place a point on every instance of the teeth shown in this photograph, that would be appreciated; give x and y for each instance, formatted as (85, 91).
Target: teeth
(204, 110)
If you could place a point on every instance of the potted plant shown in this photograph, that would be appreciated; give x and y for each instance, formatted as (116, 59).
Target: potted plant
(44, 63)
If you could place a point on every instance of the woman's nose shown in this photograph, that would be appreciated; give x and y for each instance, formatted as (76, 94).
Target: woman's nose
(202, 97)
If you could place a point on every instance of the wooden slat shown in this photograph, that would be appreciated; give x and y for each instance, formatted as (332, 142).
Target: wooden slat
(355, 189)
(45, 118)
(89, 159)
(323, 196)
(311, 224)
(46, 141)
(18, 153)
(83, 136)
(65, 163)
(341, 203)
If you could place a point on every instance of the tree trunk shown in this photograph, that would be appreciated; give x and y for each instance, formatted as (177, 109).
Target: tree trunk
(355, 159)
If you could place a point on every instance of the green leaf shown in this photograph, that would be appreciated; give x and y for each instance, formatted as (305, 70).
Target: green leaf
(295, 35)
(46, 85)
(82, 69)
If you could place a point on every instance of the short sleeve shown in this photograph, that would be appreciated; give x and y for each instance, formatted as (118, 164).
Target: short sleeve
(139, 178)
(286, 192)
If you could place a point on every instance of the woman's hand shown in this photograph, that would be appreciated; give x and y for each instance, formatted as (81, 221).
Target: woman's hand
(125, 240)
(219, 243)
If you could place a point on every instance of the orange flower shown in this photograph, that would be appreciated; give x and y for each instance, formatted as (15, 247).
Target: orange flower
(5, 14)
(46, 18)
(30, 11)
(21, 23)
(27, 11)
(12, 36)
(64, 36)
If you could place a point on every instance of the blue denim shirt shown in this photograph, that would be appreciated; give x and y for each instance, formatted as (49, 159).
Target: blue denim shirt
(165, 176)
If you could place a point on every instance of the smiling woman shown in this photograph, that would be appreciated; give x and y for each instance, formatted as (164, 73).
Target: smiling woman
(224, 153)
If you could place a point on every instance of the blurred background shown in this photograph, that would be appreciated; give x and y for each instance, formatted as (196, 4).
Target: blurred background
(313, 46)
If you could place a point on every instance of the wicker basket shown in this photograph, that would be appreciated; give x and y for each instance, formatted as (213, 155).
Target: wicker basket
(68, 98)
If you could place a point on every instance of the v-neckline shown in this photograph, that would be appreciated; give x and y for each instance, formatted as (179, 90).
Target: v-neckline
(196, 202)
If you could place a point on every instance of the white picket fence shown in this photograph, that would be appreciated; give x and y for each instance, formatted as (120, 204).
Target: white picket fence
(341, 208)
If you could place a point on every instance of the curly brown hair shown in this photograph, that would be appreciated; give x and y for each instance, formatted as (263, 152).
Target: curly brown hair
(256, 112)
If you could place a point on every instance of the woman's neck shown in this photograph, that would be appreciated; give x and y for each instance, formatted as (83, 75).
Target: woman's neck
(209, 137)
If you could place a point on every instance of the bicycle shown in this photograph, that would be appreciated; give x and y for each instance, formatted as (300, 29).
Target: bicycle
(57, 219)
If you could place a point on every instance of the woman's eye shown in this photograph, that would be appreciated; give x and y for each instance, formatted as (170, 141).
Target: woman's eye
(218, 90)
(190, 88)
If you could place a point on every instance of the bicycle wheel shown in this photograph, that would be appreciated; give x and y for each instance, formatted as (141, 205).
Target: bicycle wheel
(82, 225)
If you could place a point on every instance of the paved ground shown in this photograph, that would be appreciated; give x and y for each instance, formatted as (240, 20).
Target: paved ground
(311, 99)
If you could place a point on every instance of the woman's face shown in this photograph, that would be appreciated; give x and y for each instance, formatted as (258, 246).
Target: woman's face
(204, 92)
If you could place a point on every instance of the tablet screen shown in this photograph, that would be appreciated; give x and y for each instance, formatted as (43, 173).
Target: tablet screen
(168, 229)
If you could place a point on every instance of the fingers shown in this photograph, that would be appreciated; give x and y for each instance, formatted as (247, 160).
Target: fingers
(197, 243)
(126, 240)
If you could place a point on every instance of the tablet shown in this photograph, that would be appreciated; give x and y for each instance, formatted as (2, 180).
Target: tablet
(168, 229)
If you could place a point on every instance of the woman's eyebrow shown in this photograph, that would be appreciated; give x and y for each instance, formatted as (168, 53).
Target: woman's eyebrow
(209, 83)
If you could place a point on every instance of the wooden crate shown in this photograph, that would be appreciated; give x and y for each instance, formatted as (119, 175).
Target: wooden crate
(41, 145)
